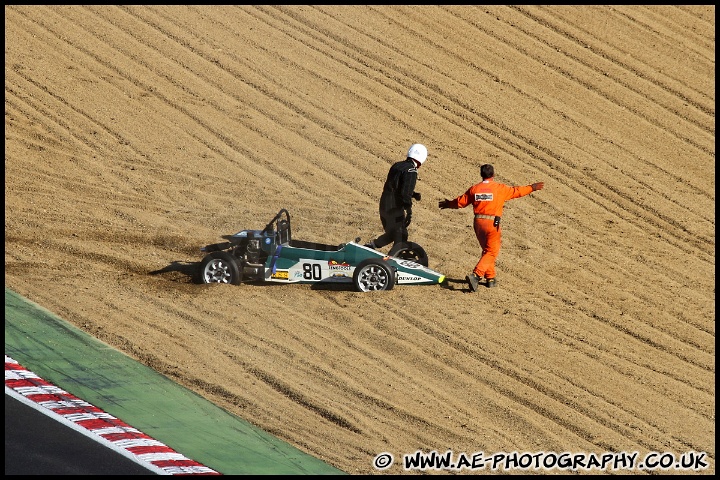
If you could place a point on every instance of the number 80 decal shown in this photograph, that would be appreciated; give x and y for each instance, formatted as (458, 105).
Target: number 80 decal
(312, 271)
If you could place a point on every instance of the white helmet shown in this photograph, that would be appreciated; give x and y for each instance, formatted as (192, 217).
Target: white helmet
(418, 152)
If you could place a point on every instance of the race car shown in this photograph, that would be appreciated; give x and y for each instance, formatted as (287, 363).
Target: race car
(272, 255)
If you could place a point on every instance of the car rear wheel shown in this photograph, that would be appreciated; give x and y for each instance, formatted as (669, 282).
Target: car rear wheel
(220, 267)
(373, 274)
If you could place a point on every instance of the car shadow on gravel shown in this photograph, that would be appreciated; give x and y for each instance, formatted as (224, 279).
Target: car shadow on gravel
(333, 286)
(188, 269)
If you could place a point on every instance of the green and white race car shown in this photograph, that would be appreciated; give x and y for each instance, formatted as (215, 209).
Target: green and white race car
(272, 255)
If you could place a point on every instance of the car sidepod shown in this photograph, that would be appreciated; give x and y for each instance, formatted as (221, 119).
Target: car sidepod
(315, 263)
(307, 262)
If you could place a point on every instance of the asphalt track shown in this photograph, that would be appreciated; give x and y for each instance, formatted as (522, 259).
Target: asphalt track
(36, 444)
(104, 377)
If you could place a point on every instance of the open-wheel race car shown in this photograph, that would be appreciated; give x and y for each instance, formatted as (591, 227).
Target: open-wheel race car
(272, 255)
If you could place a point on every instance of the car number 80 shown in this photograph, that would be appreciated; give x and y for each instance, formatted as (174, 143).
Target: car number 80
(312, 271)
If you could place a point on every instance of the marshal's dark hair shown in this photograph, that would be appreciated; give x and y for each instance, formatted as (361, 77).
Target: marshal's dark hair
(487, 171)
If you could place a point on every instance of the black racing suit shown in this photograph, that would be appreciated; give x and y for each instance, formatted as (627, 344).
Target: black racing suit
(396, 202)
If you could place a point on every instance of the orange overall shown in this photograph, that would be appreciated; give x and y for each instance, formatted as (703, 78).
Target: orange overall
(487, 199)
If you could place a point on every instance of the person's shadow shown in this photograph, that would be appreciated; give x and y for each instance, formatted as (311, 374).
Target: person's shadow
(455, 284)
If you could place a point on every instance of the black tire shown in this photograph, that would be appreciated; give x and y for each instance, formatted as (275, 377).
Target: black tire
(373, 274)
(410, 251)
(219, 267)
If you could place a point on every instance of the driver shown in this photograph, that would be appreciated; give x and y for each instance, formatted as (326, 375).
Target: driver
(397, 198)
